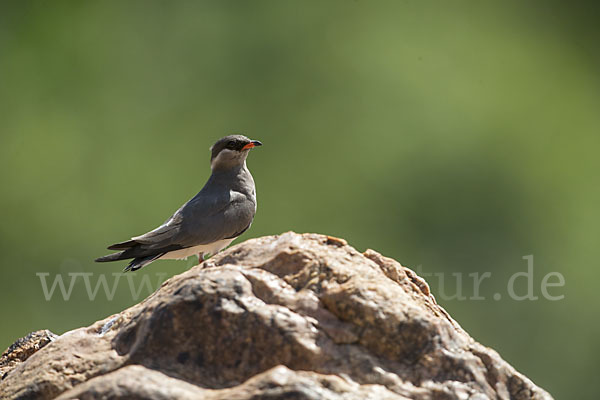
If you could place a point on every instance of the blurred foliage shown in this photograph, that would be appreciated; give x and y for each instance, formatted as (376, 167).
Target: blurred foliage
(454, 136)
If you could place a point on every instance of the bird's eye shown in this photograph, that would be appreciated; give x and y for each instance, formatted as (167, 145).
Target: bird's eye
(230, 145)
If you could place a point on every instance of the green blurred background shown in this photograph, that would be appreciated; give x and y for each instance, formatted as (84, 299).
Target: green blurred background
(456, 137)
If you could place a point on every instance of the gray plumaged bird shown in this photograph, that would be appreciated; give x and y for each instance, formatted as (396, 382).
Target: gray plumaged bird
(207, 223)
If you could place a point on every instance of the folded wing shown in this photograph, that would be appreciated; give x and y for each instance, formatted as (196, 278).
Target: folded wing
(202, 220)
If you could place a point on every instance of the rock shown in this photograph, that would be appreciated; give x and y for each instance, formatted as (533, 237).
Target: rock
(289, 316)
(137, 382)
(23, 348)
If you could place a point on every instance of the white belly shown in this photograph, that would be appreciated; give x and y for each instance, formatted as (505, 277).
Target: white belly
(211, 248)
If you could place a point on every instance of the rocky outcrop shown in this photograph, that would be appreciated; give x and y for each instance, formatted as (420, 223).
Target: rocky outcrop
(290, 316)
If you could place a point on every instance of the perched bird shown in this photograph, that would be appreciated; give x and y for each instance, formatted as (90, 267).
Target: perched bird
(207, 223)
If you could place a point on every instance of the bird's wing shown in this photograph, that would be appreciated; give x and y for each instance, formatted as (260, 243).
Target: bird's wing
(227, 217)
(163, 235)
(202, 220)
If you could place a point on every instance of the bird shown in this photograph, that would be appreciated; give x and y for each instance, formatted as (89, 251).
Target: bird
(220, 212)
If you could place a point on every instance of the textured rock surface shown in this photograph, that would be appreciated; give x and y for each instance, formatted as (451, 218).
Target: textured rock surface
(23, 348)
(289, 316)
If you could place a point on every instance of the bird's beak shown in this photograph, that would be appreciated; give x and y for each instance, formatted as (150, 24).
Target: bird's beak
(252, 144)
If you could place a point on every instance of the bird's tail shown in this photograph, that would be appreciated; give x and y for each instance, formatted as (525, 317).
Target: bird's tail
(135, 264)
(140, 262)
(123, 245)
(112, 257)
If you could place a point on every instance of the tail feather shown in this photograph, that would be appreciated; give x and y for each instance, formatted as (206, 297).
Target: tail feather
(123, 245)
(140, 262)
(140, 254)
(112, 257)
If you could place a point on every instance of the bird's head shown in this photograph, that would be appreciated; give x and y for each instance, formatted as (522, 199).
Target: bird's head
(231, 151)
